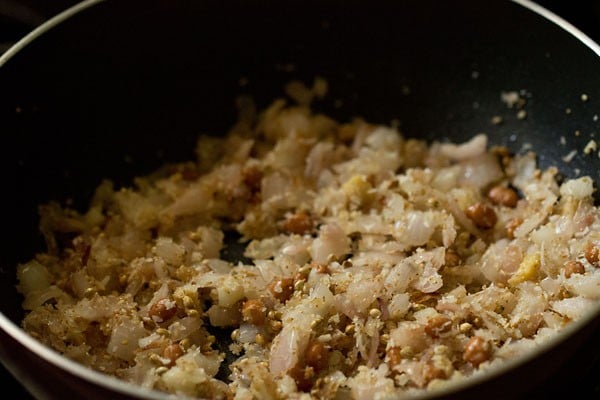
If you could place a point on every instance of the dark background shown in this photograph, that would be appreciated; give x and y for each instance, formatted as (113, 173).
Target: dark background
(18, 17)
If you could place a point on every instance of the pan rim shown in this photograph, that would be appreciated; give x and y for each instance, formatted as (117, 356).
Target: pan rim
(45, 27)
(561, 22)
(71, 11)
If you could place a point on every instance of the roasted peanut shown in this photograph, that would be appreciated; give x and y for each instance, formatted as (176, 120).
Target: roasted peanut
(298, 223)
(301, 275)
(477, 350)
(511, 226)
(304, 377)
(253, 311)
(252, 177)
(162, 310)
(504, 196)
(394, 356)
(431, 372)
(592, 254)
(172, 352)
(482, 215)
(451, 258)
(573, 267)
(438, 325)
(282, 288)
(316, 356)
(322, 268)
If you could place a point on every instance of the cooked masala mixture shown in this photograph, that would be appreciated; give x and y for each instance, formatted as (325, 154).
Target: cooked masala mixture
(371, 264)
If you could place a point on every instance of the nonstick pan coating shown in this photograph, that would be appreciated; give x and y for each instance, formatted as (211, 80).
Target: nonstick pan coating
(124, 86)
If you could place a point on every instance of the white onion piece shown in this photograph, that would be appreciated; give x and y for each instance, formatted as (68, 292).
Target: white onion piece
(222, 317)
(219, 266)
(184, 327)
(428, 263)
(332, 241)
(457, 152)
(247, 333)
(319, 158)
(287, 347)
(36, 298)
(33, 276)
(573, 307)
(293, 338)
(409, 334)
(124, 339)
(364, 290)
(371, 384)
(578, 188)
(399, 305)
(585, 285)
(169, 251)
(268, 269)
(480, 171)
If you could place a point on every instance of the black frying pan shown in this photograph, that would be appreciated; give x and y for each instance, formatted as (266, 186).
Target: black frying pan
(120, 87)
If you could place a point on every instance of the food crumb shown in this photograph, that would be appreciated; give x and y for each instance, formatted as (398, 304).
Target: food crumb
(568, 111)
(577, 133)
(320, 87)
(285, 67)
(497, 120)
(584, 97)
(563, 141)
(303, 94)
(510, 98)
(522, 114)
(568, 157)
(590, 146)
